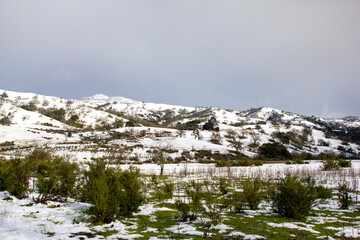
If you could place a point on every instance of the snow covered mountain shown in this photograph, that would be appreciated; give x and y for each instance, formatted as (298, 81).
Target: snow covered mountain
(28, 118)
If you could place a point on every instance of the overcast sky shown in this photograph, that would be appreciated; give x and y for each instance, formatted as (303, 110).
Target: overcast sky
(299, 56)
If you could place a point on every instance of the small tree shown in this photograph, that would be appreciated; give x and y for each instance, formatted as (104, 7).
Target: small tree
(211, 125)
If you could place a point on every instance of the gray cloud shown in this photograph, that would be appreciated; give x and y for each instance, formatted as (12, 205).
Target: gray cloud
(300, 56)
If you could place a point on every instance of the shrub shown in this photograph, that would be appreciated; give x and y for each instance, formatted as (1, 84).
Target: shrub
(237, 202)
(39, 154)
(6, 121)
(131, 195)
(30, 107)
(186, 213)
(57, 114)
(274, 150)
(210, 125)
(14, 176)
(252, 192)
(224, 185)
(245, 162)
(113, 193)
(293, 197)
(56, 179)
(213, 212)
(297, 160)
(344, 195)
(169, 190)
(191, 125)
(196, 194)
(165, 191)
(344, 163)
(330, 164)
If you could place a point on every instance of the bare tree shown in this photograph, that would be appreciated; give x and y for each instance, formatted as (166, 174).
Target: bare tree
(161, 154)
(196, 133)
(181, 133)
(231, 134)
(254, 137)
(160, 158)
(237, 144)
(215, 138)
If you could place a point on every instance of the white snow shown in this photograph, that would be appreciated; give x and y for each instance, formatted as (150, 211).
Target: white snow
(307, 227)
(184, 228)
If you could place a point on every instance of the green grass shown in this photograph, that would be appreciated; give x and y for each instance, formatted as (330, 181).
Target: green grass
(256, 225)
(164, 219)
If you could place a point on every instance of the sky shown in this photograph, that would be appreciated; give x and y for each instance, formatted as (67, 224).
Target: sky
(298, 56)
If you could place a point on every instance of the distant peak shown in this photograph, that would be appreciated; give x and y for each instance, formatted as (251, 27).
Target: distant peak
(99, 96)
(102, 98)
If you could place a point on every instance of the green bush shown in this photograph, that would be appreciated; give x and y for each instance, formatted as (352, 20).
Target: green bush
(30, 107)
(57, 114)
(165, 191)
(344, 163)
(274, 150)
(237, 202)
(253, 192)
(330, 164)
(113, 193)
(344, 195)
(293, 197)
(334, 164)
(213, 212)
(14, 176)
(224, 185)
(56, 179)
(237, 163)
(196, 194)
(186, 211)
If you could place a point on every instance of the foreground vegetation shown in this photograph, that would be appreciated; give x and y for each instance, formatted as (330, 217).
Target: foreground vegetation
(183, 206)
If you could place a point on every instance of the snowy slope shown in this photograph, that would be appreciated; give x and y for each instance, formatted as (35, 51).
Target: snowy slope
(87, 115)
(252, 127)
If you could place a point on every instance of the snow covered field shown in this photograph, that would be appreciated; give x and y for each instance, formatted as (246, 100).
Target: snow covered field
(22, 219)
(266, 171)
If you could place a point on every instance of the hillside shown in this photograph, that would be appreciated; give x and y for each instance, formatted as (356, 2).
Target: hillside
(30, 119)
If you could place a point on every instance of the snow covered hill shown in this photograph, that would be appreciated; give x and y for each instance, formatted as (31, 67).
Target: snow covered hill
(29, 118)
(69, 111)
